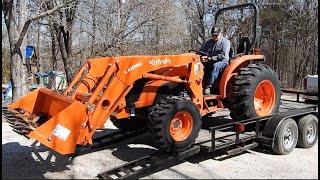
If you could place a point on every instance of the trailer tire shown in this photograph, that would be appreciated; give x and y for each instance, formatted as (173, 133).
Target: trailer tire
(308, 131)
(132, 124)
(286, 137)
(174, 124)
(254, 92)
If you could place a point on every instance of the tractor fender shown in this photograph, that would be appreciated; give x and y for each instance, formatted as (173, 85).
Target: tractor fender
(154, 91)
(149, 95)
(236, 63)
(150, 92)
(165, 88)
(273, 123)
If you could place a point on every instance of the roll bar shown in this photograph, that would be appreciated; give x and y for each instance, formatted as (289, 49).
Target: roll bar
(256, 14)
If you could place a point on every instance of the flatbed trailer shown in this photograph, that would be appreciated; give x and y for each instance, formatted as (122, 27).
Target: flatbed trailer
(314, 95)
(264, 132)
(245, 134)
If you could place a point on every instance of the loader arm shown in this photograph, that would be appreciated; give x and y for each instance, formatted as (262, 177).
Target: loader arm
(94, 94)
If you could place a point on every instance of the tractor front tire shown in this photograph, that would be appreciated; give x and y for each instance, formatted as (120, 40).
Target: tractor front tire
(174, 124)
(255, 92)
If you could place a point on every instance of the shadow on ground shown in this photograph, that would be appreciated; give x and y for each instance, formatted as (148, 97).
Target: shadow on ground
(125, 147)
(20, 164)
(128, 151)
(264, 150)
(33, 162)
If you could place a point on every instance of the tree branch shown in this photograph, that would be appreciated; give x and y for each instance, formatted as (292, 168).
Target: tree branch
(27, 23)
(46, 13)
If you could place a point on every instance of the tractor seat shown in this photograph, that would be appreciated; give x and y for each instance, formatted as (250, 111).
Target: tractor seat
(243, 48)
(231, 53)
(244, 45)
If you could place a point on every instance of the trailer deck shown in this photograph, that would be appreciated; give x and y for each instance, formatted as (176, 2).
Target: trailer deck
(220, 138)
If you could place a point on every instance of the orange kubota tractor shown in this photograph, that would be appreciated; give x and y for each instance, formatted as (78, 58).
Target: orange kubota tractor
(163, 93)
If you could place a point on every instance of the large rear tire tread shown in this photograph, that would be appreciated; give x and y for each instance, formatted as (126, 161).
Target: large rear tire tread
(242, 88)
(159, 120)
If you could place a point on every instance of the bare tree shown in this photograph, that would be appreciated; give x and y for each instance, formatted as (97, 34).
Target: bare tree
(13, 10)
(63, 22)
(87, 29)
(289, 39)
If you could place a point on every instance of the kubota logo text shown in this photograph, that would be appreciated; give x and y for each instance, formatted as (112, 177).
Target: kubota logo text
(155, 62)
(132, 67)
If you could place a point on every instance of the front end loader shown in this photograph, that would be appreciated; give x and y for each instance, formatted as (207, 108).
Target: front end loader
(161, 93)
(99, 90)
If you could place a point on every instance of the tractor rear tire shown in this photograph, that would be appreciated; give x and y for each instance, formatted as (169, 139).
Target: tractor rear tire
(174, 124)
(254, 92)
(132, 124)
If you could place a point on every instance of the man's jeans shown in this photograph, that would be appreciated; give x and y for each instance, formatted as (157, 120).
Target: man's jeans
(217, 68)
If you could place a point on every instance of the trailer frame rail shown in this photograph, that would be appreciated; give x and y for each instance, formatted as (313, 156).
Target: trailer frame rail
(162, 160)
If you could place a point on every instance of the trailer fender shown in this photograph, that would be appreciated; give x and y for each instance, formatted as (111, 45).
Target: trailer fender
(273, 124)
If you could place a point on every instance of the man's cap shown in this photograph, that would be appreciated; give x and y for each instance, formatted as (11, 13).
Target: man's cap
(215, 30)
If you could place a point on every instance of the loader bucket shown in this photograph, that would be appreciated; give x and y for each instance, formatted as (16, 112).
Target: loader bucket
(49, 118)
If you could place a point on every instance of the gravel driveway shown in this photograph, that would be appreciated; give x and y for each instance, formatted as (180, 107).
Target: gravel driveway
(22, 158)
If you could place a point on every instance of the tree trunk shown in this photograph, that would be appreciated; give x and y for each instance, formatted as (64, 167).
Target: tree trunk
(93, 27)
(64, 38)
(38, 57)
(63, 45)
(18, 70)
(17, 23)
(53, 49)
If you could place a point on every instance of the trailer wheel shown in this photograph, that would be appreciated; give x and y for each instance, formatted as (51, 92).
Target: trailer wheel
(254, 92)
(286, 137)
(174, 124)
(127, 124)
(308, 131)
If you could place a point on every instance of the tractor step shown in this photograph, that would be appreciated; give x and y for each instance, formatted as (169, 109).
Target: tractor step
(210, 97)
(148, 165)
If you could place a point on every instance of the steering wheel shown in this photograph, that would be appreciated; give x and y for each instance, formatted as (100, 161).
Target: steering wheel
(201, 53)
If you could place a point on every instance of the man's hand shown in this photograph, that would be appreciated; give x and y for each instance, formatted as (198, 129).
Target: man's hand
(214, 58)
(206, 58)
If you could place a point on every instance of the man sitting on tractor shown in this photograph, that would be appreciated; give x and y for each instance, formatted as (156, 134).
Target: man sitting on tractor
(217, 49)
